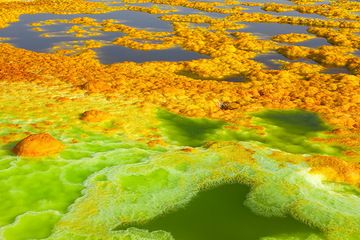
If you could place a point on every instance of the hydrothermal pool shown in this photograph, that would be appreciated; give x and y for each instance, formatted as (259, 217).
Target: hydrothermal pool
(156, 119)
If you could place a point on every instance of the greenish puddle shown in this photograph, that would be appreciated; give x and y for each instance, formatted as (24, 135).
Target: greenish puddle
(219, 213)
(286, 130)
(188, 131)
(295, 122)
(292, 130)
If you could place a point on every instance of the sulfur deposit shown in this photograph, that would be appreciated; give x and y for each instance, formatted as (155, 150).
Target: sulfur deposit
(38, 145)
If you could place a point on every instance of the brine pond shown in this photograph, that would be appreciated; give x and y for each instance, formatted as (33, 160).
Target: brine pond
(22, 34)
(219, 213)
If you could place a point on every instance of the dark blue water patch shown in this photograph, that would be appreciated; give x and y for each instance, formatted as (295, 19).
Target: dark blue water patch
(114, 54)
(270, 60)
(253, 9)
(229, 6)
(273, 1)
(188, 11)
(268, 30)
(180, 10)
(336, 70)
(23, 36)
(235, 78)
(201, 25)
(314, 43)
(258, 9)
(219, 213)
(136, 19)
(150, 5)
(297, 14)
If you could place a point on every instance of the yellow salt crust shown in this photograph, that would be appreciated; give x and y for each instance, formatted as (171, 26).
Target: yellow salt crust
(335, 97)
(302, 68)
(151, 10)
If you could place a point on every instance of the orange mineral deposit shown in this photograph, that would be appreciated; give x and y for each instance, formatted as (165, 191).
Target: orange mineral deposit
(38, 145)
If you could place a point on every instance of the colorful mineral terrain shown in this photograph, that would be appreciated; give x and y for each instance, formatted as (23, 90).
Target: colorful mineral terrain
(179, 120)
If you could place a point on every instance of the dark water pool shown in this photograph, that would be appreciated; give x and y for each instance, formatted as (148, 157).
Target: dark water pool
(22, 35)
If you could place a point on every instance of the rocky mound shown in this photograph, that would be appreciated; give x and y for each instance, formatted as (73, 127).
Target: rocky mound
(94, 116)
(38, 145)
